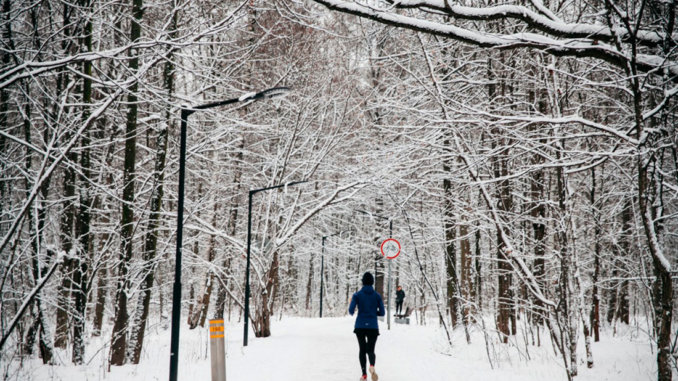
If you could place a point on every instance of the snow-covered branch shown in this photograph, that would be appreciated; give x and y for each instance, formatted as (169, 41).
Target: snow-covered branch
(557, 44)
(327, 201)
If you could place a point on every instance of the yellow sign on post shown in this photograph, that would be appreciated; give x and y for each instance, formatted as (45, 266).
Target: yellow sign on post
(217, 350)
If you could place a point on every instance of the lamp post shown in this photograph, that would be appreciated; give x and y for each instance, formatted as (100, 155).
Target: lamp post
(322, 269)
(176, 292)
(252, 192)
(388, 287)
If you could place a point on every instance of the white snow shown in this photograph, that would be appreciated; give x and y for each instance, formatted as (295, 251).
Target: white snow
(326, 350)
(246, 96)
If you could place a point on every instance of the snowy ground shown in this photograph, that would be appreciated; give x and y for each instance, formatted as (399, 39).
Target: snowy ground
(326, 350)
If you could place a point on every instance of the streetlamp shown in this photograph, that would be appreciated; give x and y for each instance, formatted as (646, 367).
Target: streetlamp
(249, 240)
(376, 259)
(322, 269)
(176, 292)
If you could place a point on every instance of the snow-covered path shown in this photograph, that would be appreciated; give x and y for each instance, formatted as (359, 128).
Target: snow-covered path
(306, 349)
(326, 349)
(313, 348)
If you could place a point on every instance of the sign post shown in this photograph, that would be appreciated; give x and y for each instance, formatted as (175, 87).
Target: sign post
(217, 353)
(390, 249)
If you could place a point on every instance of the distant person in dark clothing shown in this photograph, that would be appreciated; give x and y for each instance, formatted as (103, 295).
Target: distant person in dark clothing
(370, 305)
(400, 297)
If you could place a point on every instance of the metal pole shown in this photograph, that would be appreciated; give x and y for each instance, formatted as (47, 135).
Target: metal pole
(249, 245)
(388, 288)
(247, 269)
(217, 351)
(176, 292)
(388, 303)
(322, 272)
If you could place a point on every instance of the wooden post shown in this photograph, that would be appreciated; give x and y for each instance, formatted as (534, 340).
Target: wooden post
(217, 352)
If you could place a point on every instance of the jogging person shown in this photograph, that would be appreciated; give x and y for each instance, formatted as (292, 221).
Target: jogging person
(370, 305)
(400, 297)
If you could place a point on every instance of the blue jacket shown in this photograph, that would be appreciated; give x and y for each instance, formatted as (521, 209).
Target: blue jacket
(370, 305)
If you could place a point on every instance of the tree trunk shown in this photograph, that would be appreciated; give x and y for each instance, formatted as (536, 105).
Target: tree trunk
(478, 270)
(39, 326)
(663, 284)
(538, 216)
(379, 268)
(66, 221)
(200, 312)
(618, 303)
(102, 290)
(262, 319)
(104, 271)
(505, 316)
(232, 224)
(500, 168)
(626, 251)
(150, 249)
(450, 238)
(467, 289)
(566, 305)
(63, 299)
(595, 298)
(309, 283)
(120, 325)
(80, 268)
(154, 218)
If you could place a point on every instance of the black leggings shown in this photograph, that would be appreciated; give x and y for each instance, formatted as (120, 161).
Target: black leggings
(367, 339)
(399, 306)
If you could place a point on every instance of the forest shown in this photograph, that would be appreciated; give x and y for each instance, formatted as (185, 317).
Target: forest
(523, 152)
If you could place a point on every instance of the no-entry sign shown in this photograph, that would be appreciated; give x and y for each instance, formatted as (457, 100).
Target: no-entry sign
(390, 248)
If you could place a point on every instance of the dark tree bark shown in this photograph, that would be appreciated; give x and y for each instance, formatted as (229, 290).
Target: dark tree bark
(309, 283)
(595, 297)
(39, 325)
(650, 206)
(80, 267)
(262, 319)
(150, 248)
(4, 93)
(120, 325)
(626, 250)
(538, 214)
(67, 221)
(154, 218)
(478, 270)
(505, 314)
(466, 260)
(102, 290)
(450, 251)
(103, 247)
(379, 268)
(63, 311)
(232, 224)
(618, 301)
(200, 312)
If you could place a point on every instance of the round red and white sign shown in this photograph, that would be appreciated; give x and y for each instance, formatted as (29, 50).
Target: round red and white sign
(390, 248)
